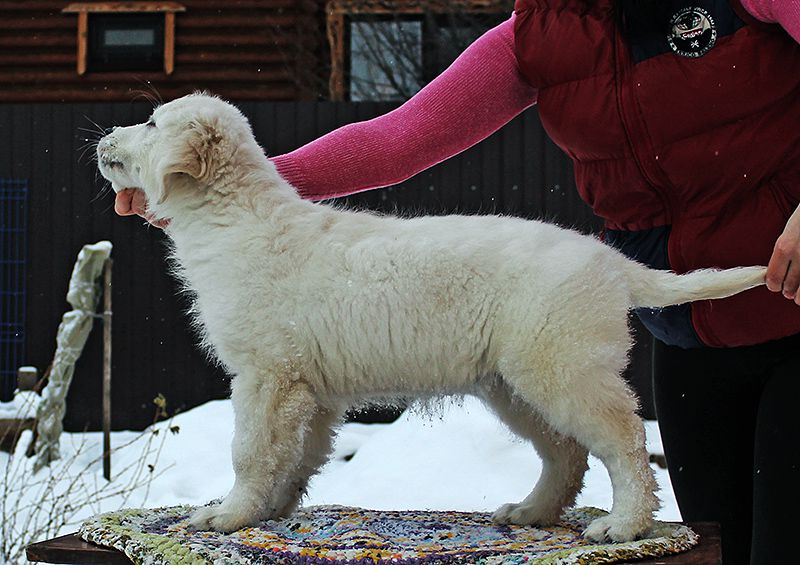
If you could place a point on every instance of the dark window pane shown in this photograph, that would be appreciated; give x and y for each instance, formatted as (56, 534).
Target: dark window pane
(126, 42)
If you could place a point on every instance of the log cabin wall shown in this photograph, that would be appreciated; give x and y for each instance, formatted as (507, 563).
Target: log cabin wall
(239, 49)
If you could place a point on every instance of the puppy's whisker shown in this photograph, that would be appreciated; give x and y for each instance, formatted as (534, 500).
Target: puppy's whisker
(154, 103)
(92, 131)
(89, 144)
(100, 129)
(89, 149)
(105, 189)
(151, 94)
(107, 209)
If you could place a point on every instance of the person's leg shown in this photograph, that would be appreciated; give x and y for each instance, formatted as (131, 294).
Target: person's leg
(776, 478)
(706, 404)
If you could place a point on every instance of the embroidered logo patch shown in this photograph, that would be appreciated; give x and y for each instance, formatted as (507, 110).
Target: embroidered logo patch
(692, 32)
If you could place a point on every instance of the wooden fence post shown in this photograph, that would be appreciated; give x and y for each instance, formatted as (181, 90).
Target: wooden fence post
(107, 368)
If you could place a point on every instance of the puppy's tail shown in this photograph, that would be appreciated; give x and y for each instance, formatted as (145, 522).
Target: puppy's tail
(652, 288)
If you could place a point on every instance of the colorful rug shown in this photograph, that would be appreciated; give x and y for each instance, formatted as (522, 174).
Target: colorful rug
(338, 535)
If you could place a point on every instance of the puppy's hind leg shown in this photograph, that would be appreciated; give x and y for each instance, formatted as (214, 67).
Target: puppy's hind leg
(599, 412)
(563, 459)
(272, 416)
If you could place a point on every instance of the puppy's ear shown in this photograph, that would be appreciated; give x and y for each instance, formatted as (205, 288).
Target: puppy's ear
(206, 149)
(198, 152)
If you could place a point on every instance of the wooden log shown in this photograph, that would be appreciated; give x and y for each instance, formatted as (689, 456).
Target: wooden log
(52, 6)
(72, 549)
(31, 22)
(28, 59)
(204, 75)
(128, 90)
(263, 21)
(196, 38)
(227, 57)
(11, 429)
(16, 40)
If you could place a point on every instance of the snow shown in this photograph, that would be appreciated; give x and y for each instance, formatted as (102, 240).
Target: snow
(458, 456)
(23, 406)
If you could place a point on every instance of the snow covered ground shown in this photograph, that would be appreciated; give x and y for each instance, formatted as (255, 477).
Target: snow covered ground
(460, 457)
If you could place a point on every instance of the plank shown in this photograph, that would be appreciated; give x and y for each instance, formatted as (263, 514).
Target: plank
(72, 549)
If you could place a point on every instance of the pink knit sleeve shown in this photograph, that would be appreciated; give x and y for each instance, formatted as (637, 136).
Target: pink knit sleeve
(784, 12)
(480, 92)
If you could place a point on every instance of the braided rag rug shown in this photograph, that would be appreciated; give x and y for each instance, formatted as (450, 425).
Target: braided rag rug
(338, 535)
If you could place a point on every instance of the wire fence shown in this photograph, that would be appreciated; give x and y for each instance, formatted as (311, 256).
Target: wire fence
(13, 259)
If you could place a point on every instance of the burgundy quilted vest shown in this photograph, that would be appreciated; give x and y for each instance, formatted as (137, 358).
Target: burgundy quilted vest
(696, 156)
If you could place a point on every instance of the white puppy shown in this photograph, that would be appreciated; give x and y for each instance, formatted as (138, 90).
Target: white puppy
(314, 309)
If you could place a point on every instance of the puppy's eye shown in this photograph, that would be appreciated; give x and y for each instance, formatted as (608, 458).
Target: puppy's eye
(150, 123)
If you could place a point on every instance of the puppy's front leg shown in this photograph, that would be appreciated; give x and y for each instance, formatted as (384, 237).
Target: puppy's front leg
(271, 420)
(317, 445)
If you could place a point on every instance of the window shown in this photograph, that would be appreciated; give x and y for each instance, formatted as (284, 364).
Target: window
(125, 36)
(387, 51)
(126, 42)
(385, 59)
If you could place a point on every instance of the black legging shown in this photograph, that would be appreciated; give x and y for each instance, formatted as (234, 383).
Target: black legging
(731, 432)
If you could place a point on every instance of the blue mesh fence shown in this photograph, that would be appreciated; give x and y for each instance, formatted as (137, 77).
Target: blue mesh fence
(13, 257)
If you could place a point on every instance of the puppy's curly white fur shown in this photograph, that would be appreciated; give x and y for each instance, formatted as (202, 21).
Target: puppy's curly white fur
(313, 310)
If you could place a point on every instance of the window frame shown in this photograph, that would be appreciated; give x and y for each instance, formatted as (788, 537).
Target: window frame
(102, 57)
(83, 9)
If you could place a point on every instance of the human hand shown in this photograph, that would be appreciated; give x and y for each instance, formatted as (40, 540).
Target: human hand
(783, 271)
(132, 202)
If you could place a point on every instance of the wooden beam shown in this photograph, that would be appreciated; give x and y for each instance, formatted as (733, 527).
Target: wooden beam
(10, 430)
(336, 36)
(385, 7)
(122, 92)
(72, 549)
(169, 42)
(231, 73)
(122, 7)
(83, 41)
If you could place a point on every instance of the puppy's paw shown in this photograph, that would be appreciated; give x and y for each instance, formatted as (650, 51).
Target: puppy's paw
(616, 529)
(222, 518)
(523, 515)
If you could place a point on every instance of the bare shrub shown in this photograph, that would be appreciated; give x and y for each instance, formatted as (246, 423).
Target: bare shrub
(38, 506)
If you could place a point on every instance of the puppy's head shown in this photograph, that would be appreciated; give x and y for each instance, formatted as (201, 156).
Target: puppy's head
(192, 139)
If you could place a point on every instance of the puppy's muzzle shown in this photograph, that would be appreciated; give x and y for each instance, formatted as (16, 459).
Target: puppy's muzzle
(105, 155)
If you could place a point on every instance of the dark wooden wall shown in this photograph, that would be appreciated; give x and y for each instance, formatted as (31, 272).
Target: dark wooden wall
(517, 171)
(239, 49)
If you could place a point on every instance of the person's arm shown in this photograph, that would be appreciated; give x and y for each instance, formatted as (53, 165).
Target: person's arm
(783, 271)
(783, 12)
(480, 92)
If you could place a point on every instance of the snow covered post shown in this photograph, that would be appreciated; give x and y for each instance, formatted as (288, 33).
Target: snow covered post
(107, 368)
(83, 295)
